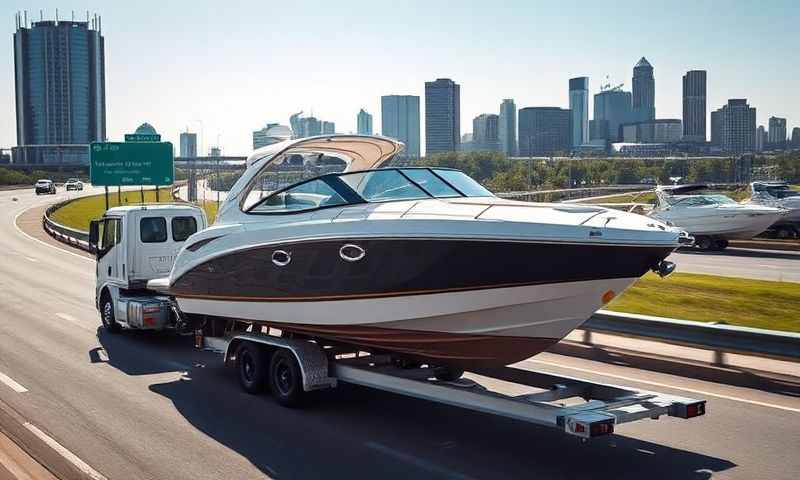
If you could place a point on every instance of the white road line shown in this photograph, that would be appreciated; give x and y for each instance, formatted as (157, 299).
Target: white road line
(666, 385)
(71, 457)
(12, 383)
(31, 259)
(45, 243)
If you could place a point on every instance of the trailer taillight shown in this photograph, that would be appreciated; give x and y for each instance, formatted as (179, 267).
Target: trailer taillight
(695, 409)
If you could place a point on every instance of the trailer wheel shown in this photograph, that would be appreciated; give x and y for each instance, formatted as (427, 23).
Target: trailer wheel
(720, 244)
(703, 242)
(285, 377)
(252, 364)
(785, 232)
(107, 314)
(449, 374)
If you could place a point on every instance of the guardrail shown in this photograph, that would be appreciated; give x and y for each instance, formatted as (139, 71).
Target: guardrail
(70, 236)
(717, 337)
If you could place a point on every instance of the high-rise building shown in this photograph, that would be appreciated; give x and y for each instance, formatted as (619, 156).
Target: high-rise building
(544, 131)
(613, 106)
(796, 137)
(761, 138)
(507, 127)
(442, 116)
(485, 132)
(296, 124)
(716, 127)
(579, 106)
(328, 128)
(694, 106)
(59, 69)
(215, 152)
(777, 132)
(738, 126)
(400, 120)
(364, 122)
(662, 130)
(272, 133)
(644, 91)
(188, 145)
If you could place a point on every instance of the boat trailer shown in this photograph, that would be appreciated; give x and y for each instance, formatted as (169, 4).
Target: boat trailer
(576, 406)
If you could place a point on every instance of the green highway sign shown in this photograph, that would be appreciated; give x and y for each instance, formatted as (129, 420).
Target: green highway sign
(132, 163)
(142, 137)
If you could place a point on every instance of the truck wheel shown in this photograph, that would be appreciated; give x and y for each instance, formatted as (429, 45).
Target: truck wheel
(285, 377)
(252, 364)
(720, 244)
(107, 315)
(785, 232)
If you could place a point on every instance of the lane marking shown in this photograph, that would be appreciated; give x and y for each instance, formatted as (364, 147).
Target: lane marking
(69, 456)
(45, 243)
(666, 385)
(31, 259)
(12, 383)
(417, 462)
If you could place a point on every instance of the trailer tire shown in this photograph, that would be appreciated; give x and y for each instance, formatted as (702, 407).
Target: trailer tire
(107, 314)
(286, 379)
(449, 374)
(252, 363)
(703, 242)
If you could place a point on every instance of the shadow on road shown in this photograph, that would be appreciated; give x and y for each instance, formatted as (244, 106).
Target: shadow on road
(358, 432)
(143, 352)
(722, 374)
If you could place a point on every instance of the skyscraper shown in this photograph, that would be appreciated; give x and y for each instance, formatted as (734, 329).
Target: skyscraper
(716, 127)
(188, 145)
(485, 132)
(612, 108)
(271, 133)
(777, 132)
(579, 108)
(761, 138)
(694, 106)
(507, 127)
(328, 128)
(644, 91)
(544, 131)
(738, 126)
(364, 122)
(400, 120)
(442, 116)
(796, 137)
(59, 71)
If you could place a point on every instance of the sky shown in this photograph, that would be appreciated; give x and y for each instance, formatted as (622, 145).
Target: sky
(224, 69)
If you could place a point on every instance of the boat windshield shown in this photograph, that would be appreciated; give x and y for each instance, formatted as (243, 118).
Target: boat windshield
(382, 185)
(782, 192)
(701, 200)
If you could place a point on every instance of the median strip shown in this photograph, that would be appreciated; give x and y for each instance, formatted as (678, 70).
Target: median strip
(61, 450)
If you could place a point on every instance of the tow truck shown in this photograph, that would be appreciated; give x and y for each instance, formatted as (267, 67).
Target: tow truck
(136, 246)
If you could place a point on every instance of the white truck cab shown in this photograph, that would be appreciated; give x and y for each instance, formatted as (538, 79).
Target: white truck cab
(134, 244)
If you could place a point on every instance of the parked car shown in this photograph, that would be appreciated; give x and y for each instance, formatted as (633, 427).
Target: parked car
(45, 186)
(73, 184)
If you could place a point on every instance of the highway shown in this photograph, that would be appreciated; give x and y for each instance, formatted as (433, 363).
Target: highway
(778, 266)
(150, 406)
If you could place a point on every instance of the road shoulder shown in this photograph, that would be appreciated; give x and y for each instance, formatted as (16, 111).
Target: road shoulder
(30, 223)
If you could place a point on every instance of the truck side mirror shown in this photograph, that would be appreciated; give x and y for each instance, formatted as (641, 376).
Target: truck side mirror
(94, 235)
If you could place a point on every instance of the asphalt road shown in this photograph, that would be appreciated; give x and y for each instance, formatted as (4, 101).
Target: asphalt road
(150, 406)
(780, 266)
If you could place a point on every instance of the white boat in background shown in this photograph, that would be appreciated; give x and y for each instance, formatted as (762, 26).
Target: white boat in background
(421, 263)
(778, 195)
(712, 218)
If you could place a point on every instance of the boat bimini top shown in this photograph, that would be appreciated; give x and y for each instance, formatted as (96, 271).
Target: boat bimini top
(275, 166)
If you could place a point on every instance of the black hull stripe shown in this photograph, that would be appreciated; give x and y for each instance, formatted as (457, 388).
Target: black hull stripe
(239, 298)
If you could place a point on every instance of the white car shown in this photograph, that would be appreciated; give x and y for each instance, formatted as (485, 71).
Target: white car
(73, 184)
(45, 186)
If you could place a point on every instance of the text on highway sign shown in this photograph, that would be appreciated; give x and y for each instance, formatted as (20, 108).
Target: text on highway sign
(132, 163)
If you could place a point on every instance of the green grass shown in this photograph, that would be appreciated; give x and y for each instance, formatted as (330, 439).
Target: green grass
(709, 298)
(79, 213)
(648, 197)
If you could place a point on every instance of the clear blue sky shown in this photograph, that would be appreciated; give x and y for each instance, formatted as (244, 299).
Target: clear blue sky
(236, 65)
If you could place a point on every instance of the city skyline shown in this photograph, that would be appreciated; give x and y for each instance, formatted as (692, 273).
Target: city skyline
(211, 60)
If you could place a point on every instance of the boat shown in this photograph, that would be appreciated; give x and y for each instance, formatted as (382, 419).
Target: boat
(711, 218)
(322, 238)
(778, 195)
